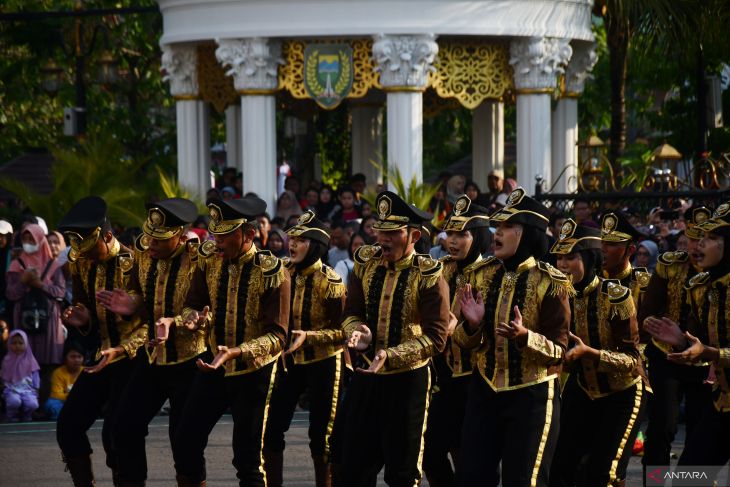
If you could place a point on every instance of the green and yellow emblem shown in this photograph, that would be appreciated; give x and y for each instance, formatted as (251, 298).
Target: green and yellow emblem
(328, 73)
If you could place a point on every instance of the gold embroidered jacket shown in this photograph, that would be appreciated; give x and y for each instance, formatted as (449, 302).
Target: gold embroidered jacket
(666, 294)
(541, 292)
(317, 303)
(634, 278)
(709, 321)
(604, 317)
(87, 277)
(404, 304)
(249, 304)
(162, 286)
(457, 358)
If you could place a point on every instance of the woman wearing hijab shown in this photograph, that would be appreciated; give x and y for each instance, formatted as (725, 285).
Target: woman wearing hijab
(517, 325)
(326, 204)
(288, 206)
(36, 272)
(708, 339)
(277, 243)
(20, 378)
(605, 395)
(646, 255)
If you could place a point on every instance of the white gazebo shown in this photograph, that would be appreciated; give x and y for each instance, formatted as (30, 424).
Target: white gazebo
(481, 54)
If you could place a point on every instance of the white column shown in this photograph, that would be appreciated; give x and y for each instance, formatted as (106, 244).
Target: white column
(565, 118)
(404, 63)
(233, 137)
(487, 141)
(179, 65)
(254, 65)
(537, 61)
(564, 148)
(367, 140)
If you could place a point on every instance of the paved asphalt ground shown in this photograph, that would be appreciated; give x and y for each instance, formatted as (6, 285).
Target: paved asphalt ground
(30, 457)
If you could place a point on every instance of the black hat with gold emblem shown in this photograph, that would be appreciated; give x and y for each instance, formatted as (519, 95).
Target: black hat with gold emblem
(83, 224)
(574, 237)
(394, 213)
(227, 216)
(616, 227)
(692, 218)
(522, 209)
(167, 218)
(466, 215)
(309, 226)
(720, 221)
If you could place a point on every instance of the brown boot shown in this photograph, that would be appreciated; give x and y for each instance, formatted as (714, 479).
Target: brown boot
(274, 467)
(81, 471)
(322, 471)
(182, 481)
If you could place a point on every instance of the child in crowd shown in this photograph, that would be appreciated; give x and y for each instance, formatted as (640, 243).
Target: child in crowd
(63, 379)
(21, 378)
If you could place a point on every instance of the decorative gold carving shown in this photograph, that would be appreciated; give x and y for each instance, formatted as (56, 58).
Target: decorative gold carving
(472, 71)
(291, 75)
(215, 87)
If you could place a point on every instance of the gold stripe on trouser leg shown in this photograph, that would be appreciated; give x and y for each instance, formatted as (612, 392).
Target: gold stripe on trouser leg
(627, 433)
(333, 408)
(545, 432)
(423, 430)
(272, 380)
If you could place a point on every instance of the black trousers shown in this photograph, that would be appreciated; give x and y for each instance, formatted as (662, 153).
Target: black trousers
(210, 396)
(596, 436)
(322, 381)
(708, 443)
(518, 427)
(670, 383)
(148, 388)
(384, 426)
(89, 395)
(443, 434)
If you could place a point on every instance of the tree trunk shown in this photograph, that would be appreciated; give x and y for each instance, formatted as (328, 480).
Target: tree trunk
(617, 33)
(701, 103)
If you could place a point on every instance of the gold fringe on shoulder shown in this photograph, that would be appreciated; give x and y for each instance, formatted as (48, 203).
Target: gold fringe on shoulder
(275, 279)
(334, 290)
(625, 309)
(560, 288)
(430, 280)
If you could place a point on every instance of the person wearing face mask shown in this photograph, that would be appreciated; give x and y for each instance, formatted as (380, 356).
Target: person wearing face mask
(467, 238)
(707, 339)
(618, 245)
(239, 297)
(318, 299)
(666, 295)
(97, 262)
(604, 397)
(397, 317)
(35, 271)
(517, 326)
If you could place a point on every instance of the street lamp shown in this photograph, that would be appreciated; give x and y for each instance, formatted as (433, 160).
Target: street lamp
(51, 77)
(664, 178)
(593, 164)
(108, 68)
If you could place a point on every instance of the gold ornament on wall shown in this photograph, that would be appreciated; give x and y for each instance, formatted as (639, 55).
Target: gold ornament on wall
(215, 87)
(472, 71)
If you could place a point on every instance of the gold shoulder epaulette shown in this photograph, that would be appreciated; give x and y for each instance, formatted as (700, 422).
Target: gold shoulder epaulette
(491, 260)
(429, 268)
(141, 243)
(206, 250)
(642, 276)
(335, 287)
(125, 261)
(669, 263)
(362, 256)
(620, 301)
(446, 259)
(287, 263)
(192, 250)
(698, 280)
(561, 285)
(271, 267)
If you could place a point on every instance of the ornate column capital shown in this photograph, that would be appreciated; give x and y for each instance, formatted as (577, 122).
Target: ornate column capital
(537, 61)
(253, 63)
(404, 61)
(179, 66)
(580, 67)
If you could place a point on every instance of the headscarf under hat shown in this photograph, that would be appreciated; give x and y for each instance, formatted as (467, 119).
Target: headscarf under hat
(18, 366)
